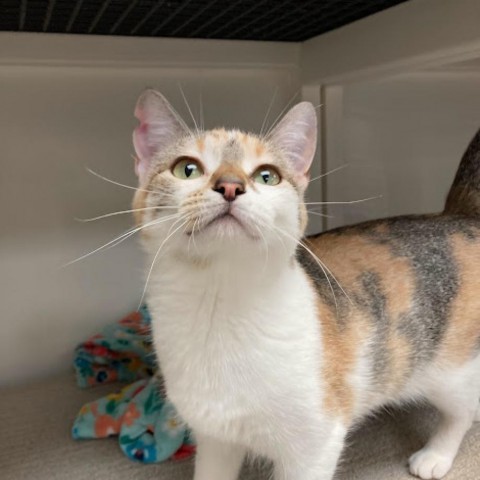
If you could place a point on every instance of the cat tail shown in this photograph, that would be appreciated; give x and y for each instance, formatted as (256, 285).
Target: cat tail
(464, 195)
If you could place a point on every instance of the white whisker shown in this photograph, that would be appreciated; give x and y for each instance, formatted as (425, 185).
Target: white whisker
(112, 214)
(118, 183)
(324, 215)
(276, 233)
(126, 237)
(341, 167)
(202, 119)
(349, 202)
(280, 115)
(193, 235)
(268, 110)
(188, 107)
(190, 239)
(265, 264)
(317, 260)
(156, 255)
(121, 237)
(322, 265)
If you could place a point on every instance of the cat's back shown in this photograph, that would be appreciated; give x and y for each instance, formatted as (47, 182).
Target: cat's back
(427, 242)
(409, 287)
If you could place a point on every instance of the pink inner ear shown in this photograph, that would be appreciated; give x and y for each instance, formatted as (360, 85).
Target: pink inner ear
(296, 135)
(142, 149)
(158, 126)
(140, 141)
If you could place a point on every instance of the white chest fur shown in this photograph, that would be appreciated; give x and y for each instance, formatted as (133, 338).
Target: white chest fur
(240, 353)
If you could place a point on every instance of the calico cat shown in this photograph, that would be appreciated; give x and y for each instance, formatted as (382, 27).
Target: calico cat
(274, 345)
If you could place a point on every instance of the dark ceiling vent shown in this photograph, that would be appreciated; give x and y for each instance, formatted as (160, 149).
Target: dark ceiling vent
(278, 20)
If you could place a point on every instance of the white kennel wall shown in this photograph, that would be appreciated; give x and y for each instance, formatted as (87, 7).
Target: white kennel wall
(402, 139)
(67, 103)
(400, 103)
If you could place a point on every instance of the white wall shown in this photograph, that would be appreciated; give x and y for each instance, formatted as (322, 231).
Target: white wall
(403, 138)
(400, 102)
(67, 107)
(413, 35)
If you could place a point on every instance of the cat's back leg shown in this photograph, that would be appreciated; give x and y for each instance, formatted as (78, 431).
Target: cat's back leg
(455, 392)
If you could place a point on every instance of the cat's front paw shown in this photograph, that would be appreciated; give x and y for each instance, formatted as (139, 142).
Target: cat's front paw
(428, 464)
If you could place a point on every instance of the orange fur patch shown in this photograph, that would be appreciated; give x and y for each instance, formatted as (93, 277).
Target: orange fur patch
(339, 357)
(259, 149)
(348, 257)
(139, 201)
(219, 134)
(200, 144)
(243, 138)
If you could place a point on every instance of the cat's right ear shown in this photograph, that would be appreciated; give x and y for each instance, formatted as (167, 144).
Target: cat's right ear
(159, 126)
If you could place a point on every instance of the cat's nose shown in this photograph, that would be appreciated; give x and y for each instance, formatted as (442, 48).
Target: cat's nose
(230, 189)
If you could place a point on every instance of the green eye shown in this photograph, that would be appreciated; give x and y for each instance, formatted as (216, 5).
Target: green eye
(266, 176)
(187, 168)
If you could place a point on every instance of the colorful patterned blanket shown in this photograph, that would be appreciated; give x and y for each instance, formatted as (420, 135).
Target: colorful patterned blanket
(146, 423)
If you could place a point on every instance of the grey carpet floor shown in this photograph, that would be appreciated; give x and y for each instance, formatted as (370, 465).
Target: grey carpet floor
(35, 442)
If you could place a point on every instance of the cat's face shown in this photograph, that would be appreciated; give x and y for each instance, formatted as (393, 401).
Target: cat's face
(220, 191)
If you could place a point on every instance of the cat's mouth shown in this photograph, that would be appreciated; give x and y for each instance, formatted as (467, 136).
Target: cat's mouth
(226, 219)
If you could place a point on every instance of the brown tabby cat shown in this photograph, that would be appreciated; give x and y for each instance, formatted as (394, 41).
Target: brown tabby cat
(267, 350)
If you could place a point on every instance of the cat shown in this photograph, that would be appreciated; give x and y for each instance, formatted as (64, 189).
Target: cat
(275, 345)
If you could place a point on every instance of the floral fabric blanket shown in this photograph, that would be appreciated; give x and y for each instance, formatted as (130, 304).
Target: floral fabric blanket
(146, 423)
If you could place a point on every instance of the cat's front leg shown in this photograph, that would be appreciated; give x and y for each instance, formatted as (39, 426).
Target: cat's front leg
(314, 459)
(216, 460)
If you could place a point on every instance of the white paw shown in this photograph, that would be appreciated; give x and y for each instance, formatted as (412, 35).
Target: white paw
(428, 464)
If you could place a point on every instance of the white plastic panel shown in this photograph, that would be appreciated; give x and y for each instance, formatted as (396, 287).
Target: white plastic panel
(402, 139)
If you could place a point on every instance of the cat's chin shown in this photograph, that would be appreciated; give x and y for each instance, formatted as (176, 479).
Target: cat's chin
(225, 226)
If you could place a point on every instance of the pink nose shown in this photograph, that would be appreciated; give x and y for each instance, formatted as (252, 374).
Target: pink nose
(230, 190)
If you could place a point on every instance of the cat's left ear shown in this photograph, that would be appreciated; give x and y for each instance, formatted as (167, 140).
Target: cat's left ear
(296, 137)
(159, 126)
